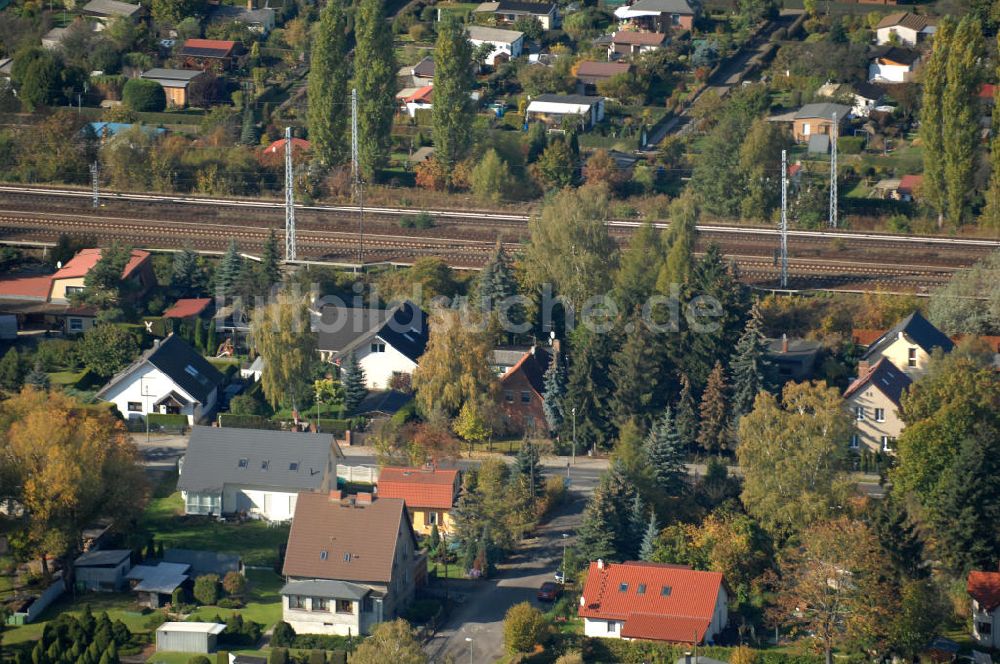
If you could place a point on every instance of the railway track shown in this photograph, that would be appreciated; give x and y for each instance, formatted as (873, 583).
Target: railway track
(820, 259)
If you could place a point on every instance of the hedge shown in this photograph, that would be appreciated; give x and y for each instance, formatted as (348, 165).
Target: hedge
(143, 95)
(333, 426)
(245, 421)
(636, 652)
(167, 421)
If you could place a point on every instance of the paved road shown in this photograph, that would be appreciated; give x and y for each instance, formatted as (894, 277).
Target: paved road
(477, 622)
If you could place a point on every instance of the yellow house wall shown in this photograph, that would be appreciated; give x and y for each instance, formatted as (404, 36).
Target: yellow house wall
(421, 522)
(869, 431)
(59, 287)
(897, 353)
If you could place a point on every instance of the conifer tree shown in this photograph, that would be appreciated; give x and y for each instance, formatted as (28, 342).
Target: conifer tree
(685, 416)
(270, 262)
(184, 275)
(606, 529)
(227, 273)
(355, 389)
(648, 546)
(713, 434)
(11, 370)
(639, 266)
(452, 111)
(199, 334)
(665, 455)
(327, 94)
(677, 267)
(589, 390)
(637, 523)
(248, 130)
(375, 80)
(555, 392)
(496, 284)
(750, 369)
(635, 371)
(211, 340)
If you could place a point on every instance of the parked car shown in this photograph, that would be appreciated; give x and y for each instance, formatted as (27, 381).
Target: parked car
(549, 592)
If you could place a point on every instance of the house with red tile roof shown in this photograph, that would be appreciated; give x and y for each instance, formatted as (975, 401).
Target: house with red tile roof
(274, 154)
(522, 390)
(188, 308)
(984, 589)
(429, 494)
(70, 277)
(207, 54)
(653, 601)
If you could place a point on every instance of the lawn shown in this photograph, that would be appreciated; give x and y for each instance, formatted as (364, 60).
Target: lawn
(256, 541)
(64, 378)
(263, 603)
(120, 606)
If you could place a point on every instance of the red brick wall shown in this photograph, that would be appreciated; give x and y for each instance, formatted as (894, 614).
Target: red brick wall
(518, 416)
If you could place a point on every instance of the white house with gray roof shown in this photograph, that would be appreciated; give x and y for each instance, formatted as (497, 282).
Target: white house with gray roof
(254, 471)
(171, 378)
(506, 43)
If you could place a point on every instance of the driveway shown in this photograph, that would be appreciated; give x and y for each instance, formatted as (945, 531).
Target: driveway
(161, 451)
(477, 622)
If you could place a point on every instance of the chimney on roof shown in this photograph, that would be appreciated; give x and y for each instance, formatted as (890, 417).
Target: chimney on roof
(335, 494)
(364, 498)
(533, 348)
(784, 342)
(156, 343)
(863, 367)
(600, 563)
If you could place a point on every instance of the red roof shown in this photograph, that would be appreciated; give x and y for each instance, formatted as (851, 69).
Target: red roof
(279, 146)
(223, 45)
(987, 90)
(984, 587)
(421, 95)
(655, 601)
(33, 288)
(81, 264)
(187, 307)
(638, 38)
(533, 369)
(431, 488)
(908, 184)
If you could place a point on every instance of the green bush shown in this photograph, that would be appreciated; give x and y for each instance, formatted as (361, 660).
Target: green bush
(177, 597)
(283, 635)
(57, 354)
(422, 221)
(333, 426)
(405, 414)
(850, 144)
(144, 96)
(198, 659)
(206, 589)
(233, 421)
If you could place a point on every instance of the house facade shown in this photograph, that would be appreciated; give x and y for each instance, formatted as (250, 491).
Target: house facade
(259, 473)
(903, 28)
(507, 12)
(175, 83)
(386, 342)
(625, 43)
(553, 109)
(351, 563)
(874, 401)
(657, 15)
(984, 592)
(106, 11)
(204, 54)
(70, 278)
(429, 493)
(893, 65)
(102, 570)
(653, 601)
(171, 377)
(507, 44)
(817, 119)
(907, 345)
(522, 393)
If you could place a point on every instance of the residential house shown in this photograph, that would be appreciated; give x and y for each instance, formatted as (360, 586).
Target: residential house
(893, 64)
(984, 589)
(908, 345)
(106, 11)
(506, 357)
(70, 278)
(103, 570)
(351, 563)
(274, 154)
(423, 72)
(653, 601)
(793, 359)
(258, 21)
(416, 100)
(256, 472)
(386, 342)
(522, 390)
(903, 28)
(206, 562)
(27, 298)
(817, 118)
(874, 400)
(204, 54)
(53, 39)
(507, 44)
(630, 42)
(658, 15)
(155, 584)
(909, 187)
(589, 73)
(171, 377)
(429, 493)
(175, 83)
(866, 97)
(507, 12)
(188, 308)
(191, 637)
(554, 109)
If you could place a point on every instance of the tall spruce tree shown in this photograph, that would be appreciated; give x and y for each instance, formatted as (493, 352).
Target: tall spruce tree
(329, 72)
(606, 529)
(640, 263)
(679, 262)
(353, 380)
(270, 262)
(228, 271)
(375, 80)
(899, 537)
(452, 112)
(496, 285)
(555, 392)
(527, 466)
(931, 120)
(589, 391)
(665, 455)
(184, 274)
(635, 371)
(713, 432)
(960, 114)
(686, 416)
(637, 523)
(749, 367)
(648, 546)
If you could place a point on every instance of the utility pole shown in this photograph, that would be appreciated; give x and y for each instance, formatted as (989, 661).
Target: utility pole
(289, 199)
(834, 130)
(95, 183)
(359, 187)
(784, 219)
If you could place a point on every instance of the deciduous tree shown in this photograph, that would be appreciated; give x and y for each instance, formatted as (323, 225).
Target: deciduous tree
(391, 641)
(281, 335)
(523, 628)
(107, 348)
(375, 80)
(452, 112)
(329, 70)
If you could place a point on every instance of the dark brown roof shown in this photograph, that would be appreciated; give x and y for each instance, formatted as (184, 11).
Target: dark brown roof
(600, 70)
(334, 539)
(533, 365)
(639, 38)
(904, 19)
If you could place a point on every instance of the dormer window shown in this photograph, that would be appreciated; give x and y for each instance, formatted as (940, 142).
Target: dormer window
(665, 591)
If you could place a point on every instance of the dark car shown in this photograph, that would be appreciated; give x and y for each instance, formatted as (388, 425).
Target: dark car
(549, 592)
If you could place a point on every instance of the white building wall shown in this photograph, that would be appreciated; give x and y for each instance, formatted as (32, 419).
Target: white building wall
(308, 621)
(600, 628)
(513, 49)
(146, 385)
(887, 73)
(270, 505)
(906, 35)
(379, 367)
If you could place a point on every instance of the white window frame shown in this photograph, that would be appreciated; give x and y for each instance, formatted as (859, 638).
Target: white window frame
(911, 357)
(76, 325)
(886, 442)
(855, 441)
(880, 414)
(377, 347)
(859, 413)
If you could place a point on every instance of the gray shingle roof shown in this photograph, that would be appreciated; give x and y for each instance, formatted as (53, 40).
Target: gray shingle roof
(916, 328)
(111, 8)
(664, 6)
(885, 377)
(254, 457)
(326, 588)
(404, 327)
(102, 558)
(824, 110)
(583, 100)
(204, 562)
(178, 361)
(161, 578)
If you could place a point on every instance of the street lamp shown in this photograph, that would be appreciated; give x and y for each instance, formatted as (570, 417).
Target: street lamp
(565, 538)
(574, 435)
(468, 640)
